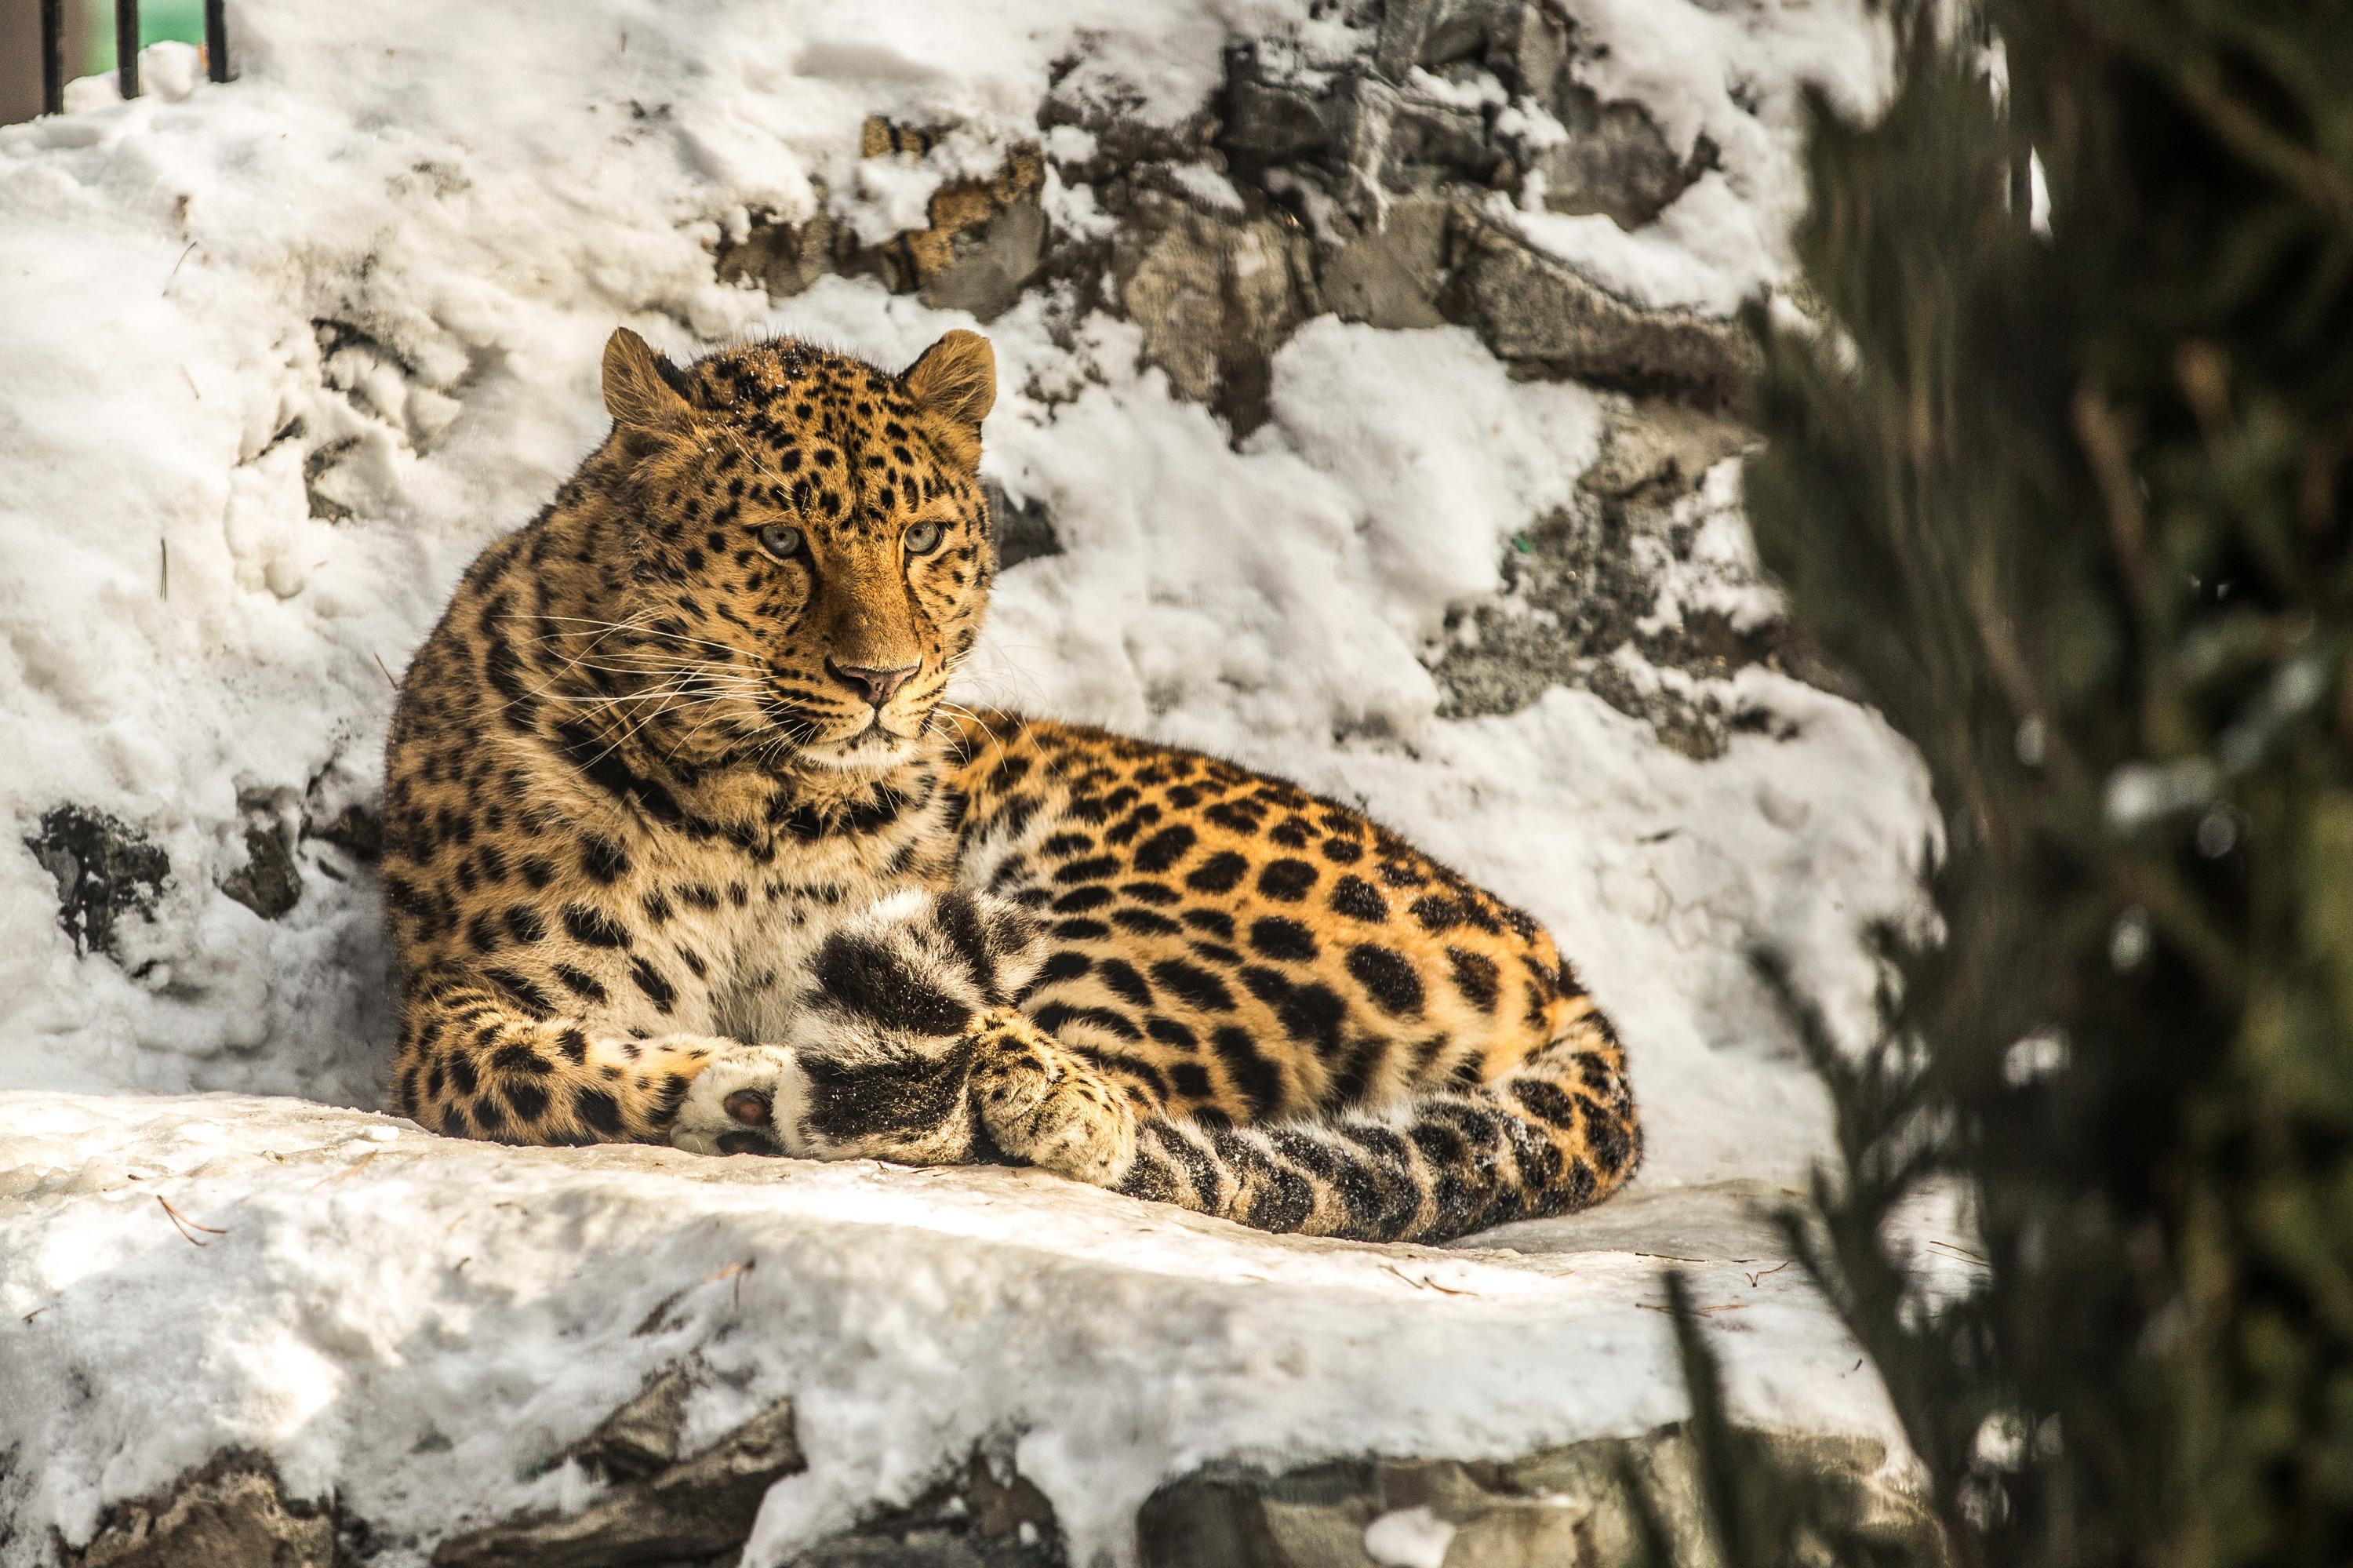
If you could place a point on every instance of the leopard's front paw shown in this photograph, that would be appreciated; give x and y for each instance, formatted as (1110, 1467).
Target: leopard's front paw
(749, 1100)
(909, 972)
(1046, 1106)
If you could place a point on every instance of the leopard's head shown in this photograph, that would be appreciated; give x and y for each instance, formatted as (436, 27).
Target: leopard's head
(810, 540)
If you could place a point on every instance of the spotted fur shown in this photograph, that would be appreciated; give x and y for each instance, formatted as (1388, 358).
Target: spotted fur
(681, 844)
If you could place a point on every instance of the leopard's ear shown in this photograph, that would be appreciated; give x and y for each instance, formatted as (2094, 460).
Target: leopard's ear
(955, 383)
(644, 392)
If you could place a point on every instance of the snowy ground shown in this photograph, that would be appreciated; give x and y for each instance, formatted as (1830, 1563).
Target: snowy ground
(276, 358)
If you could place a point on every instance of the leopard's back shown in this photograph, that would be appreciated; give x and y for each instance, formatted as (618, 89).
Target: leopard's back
(1241, 948)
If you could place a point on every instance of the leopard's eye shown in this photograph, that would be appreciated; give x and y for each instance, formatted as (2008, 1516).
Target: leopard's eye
(923, 538)
(780, 540)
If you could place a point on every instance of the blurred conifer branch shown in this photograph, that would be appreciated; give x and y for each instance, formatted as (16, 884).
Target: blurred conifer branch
(2072, 504)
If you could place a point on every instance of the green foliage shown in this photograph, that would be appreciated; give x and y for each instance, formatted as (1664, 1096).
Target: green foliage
(2074, 507)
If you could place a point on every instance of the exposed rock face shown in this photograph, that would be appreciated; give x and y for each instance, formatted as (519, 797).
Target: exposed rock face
(1570, 1507)
(985, 238)
(984, 1516)
(1538, 311)
(1023, 529)
(1365, 190)
(786, 257)
(664, 1512)
(355, 830)
(1615, 161)
(1585, 583)
(269, 883)
(1562, 1507)
(1391, 272)
(985, 241)
(1215, 293)
(667, 1508)
(104, 871)
(233, 1514)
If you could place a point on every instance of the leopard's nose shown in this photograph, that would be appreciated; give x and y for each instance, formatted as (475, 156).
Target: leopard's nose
(877, 686)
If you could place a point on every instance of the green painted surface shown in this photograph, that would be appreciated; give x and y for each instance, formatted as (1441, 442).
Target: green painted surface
(158, 20)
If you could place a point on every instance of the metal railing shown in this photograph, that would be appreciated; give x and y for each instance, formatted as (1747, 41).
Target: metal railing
(126, 49)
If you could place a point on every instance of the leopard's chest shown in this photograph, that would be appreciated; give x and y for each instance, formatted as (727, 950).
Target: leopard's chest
(761, 916)
(775, 948)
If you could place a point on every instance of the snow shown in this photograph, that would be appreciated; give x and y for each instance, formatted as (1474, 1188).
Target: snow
(1733, 71)
(1718, 570)
(1707, 252)
(1409, 1538)
(196, 633)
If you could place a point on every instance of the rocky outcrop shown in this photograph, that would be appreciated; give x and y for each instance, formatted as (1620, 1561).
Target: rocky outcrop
(1024, 530)
(105, 870)
(1365, 188)
(985, 240)
(1579, 1506)
(984, 1515)
(270, 882)
(1614, 161)
(232, 1514)
(1214, 290)
(1584, 582)
(1371, 189)
(664, 1508)
(1540, 313)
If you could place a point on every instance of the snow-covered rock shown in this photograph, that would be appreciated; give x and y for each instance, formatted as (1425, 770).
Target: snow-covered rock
(1288, 300)
(432, 1337)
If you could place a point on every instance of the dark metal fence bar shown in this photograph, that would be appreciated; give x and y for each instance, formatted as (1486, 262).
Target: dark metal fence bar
(126, 49)
(53, 56)
(126, 46)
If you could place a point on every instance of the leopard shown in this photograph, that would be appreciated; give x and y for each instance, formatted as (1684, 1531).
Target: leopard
(685, 844)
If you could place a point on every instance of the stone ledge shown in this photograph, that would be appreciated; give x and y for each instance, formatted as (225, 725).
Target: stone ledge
(667, 1324)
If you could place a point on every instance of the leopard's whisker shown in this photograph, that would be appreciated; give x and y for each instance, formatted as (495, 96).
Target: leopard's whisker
(995, 740)
(633, 625)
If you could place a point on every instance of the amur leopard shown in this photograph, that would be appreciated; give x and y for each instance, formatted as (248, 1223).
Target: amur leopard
(682, 844)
